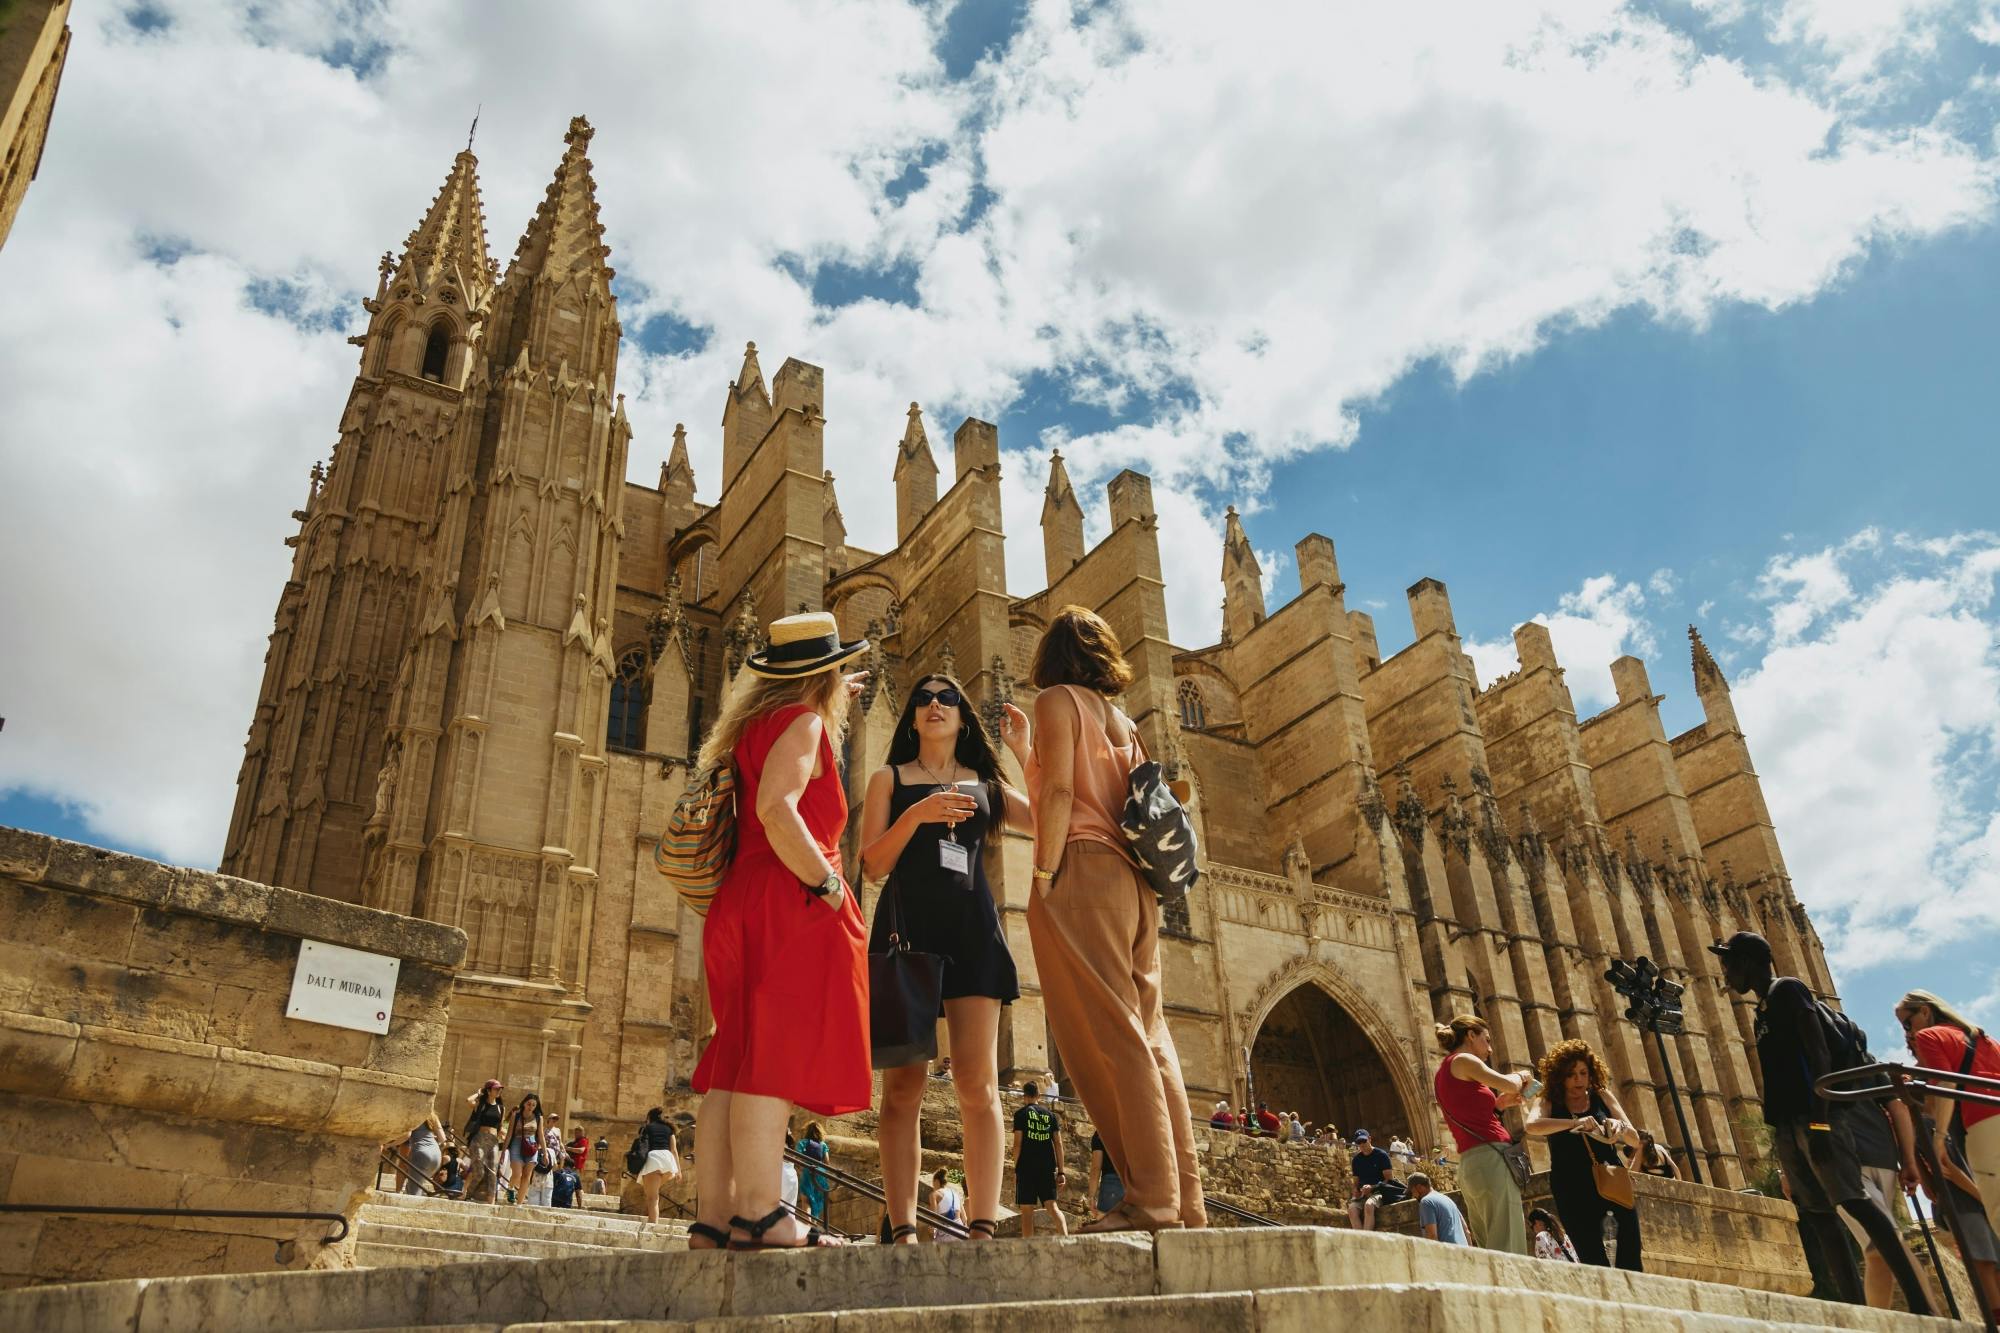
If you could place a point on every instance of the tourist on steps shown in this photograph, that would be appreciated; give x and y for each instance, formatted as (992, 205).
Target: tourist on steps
(1654, 1160)
(1472, 1093)
(524, 1141)
(662, 1164)
(1551, 1241)
(1095, 927)
(1439, 1215)
(1941, 1039)
(1813, 1142)
(813, 1182)
(1038, 1156)
(1581, 1117)
(924, 827)
(1107, 1191)
(1373, 1185)
(483, 1142)
(947, 1202)
(783, 946)
(422, 1154)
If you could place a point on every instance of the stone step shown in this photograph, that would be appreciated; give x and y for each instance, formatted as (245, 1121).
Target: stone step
(469, 1243)
(532, 1225)
(1227, 1273)
(1425, 1308)
(447, 1210)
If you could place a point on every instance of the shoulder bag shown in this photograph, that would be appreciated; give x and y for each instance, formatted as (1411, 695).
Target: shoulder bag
(1513, 1154)
(635, 1156)
(1158, 829)
(694, 852)
(905, 997)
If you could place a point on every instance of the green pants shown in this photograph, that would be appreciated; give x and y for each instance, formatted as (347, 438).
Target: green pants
(1492, 1201)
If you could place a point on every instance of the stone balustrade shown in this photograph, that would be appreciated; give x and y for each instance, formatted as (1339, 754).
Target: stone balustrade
(146, 1060)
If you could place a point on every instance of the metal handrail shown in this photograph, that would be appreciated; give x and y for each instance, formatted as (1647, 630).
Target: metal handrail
(1890, 1080)
(103, 1210)
(870, 1190)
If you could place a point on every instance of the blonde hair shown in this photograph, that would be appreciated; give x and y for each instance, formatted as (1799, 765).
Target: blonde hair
(752, 696)
(1943, 1012)
(1452, 1035)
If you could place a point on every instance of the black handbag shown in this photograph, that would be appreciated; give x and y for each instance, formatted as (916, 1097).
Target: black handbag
(905, 997)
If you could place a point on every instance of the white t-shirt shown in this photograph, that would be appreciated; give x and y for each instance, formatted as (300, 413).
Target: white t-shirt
(947, 1202)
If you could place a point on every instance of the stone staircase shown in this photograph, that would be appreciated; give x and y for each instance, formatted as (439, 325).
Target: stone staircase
(400, 1230)
(1246, 1280)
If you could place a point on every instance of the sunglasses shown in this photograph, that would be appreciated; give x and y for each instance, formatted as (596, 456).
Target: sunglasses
(947, 696)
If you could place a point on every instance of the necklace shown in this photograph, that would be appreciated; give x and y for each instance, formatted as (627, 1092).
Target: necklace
(950, 825)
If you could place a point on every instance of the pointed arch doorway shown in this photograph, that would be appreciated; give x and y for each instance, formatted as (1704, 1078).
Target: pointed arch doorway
(1311, 1057)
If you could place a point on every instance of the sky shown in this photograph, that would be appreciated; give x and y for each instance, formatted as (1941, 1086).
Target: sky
(1621, 317)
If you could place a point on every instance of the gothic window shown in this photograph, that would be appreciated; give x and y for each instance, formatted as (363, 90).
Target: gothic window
(1193, 715)
(436, 348)
(1174, 918)
(627, 730)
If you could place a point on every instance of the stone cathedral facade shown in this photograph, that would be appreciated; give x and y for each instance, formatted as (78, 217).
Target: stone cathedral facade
(495, 654)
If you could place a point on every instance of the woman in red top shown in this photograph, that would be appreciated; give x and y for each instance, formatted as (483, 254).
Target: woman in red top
(784, 947)
(1472, 1093)
(1938, 1037)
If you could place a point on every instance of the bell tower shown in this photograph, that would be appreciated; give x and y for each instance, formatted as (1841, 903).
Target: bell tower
(308, 784)
(493, 796)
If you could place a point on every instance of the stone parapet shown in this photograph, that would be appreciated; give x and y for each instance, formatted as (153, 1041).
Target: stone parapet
(1692, 1231)
(146, 1060)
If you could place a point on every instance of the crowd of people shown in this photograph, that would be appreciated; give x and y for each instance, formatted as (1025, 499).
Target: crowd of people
(1841, 1163)
(518, 1155)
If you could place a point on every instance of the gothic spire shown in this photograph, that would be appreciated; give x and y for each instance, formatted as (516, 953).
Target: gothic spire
(1062, 523)
(916, 445)
(1707, 675)
(677, 465)
(449, 244)
(752, 374)
(565, 237)
(1242, 581)
(1058, 492)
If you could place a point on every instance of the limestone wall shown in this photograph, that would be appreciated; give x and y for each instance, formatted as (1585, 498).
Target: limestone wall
(146, 1060)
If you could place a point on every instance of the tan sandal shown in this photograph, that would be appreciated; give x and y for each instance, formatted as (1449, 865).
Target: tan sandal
(1126, 1218)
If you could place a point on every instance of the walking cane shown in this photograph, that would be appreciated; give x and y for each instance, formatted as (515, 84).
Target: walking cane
(1937, 1260)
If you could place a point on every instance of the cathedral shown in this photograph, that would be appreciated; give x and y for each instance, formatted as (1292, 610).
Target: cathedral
(494, 656)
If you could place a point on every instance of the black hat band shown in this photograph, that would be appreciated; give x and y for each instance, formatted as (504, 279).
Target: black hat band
(802, 650)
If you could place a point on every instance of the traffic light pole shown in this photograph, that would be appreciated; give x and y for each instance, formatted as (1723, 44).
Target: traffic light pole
(1673, 1091)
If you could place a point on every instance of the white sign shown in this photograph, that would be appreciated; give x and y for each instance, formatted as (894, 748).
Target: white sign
(343, 988)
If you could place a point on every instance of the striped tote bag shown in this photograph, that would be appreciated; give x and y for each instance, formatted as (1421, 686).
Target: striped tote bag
(694, 852)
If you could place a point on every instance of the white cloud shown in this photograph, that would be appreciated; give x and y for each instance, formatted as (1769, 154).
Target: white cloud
(1662, 583)
(1233, 242)
(1875, 719)
(1591, 628)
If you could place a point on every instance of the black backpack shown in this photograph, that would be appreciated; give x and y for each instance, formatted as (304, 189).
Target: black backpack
(635, 1156)
(1846, 1043)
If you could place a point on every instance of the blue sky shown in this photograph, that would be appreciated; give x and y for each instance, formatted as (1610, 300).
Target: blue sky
(1621, 316)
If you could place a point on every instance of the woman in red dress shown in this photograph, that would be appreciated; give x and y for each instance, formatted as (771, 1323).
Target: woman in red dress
(784, 946)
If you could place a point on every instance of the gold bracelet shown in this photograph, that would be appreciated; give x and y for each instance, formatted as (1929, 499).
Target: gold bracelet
(1044, 874)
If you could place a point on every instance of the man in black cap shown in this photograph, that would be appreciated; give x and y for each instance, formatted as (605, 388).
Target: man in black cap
(1813, 1138)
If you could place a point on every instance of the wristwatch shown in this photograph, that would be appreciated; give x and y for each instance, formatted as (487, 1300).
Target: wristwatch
(827, 887)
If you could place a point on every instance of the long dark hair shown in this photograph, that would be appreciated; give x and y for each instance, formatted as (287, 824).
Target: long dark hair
(974, 749)
(521, 1111)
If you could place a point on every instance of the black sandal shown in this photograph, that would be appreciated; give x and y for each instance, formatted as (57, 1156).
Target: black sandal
(901, 1232)
(718, 1238)
(985, 1226)
(769, 1220)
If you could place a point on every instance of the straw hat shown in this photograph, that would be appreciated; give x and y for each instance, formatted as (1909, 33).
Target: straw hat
(804, 644)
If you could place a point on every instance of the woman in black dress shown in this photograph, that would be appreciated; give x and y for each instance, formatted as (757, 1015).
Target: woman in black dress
(1580, 1116)
(924, 825)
